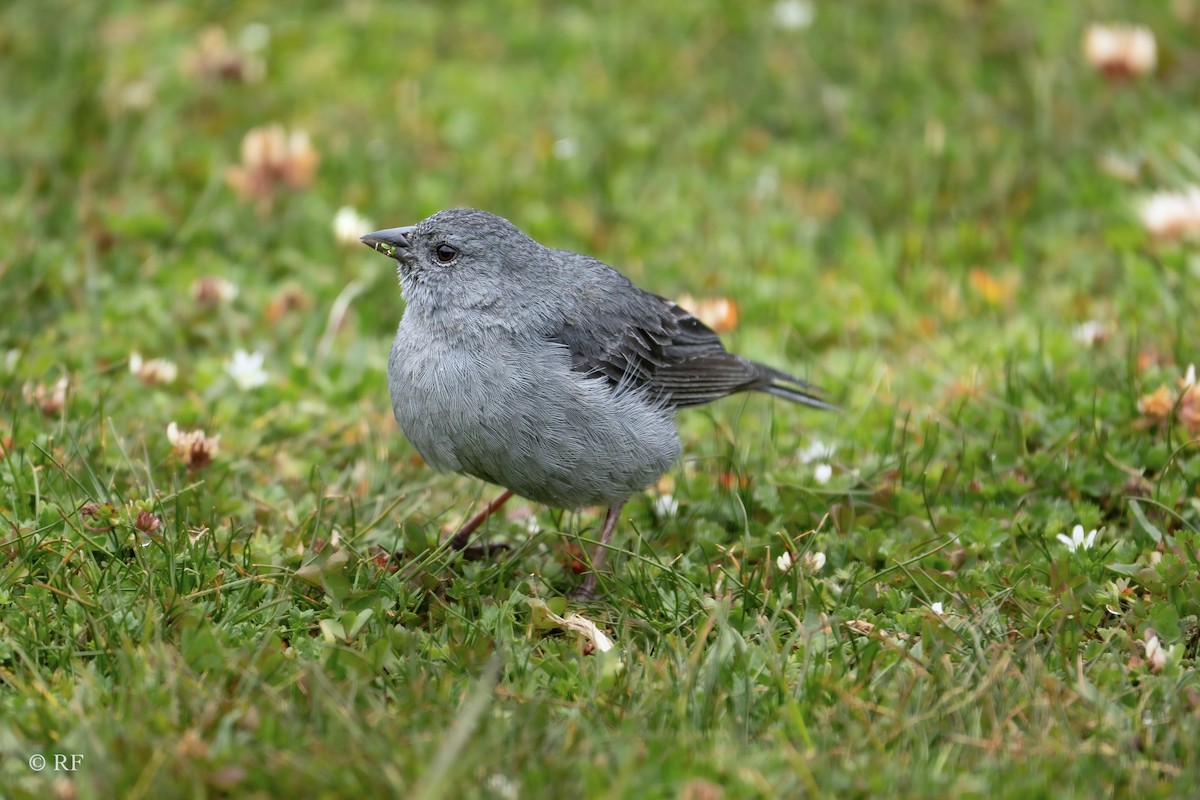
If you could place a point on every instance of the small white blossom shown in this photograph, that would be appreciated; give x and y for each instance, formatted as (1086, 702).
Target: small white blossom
(1077, 540)
(502, 787)
(155, 372)
(783, 562)
(349, 226)
(1172, 215)
(937, 609)
(665, 505)
(1189, 377)
(532, 526)
(1120, 51)
(793, 14)
(565, 149)
(211, 291)
(766, 183)
(1156, 654)
(816, 451)
(1090, 332)
(50, 399)
(822, 473)
(246, 369)
(814, 561)
(194, 448)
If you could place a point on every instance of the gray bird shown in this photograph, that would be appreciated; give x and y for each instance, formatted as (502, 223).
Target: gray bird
(545, 371)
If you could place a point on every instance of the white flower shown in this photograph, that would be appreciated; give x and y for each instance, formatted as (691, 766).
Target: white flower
(565, 149)
(349, 226)
(502, 786)
(155, 372)
(784, 562)
(937, 609)
(1156, 654)
(766, 183)
(1171, 215)
(1090, 332)
(246, 369)
(211, 291)
(814, 561)
(1077, 540)
(822, 473)
(1120, 51)
(50, 399)
(194, 448)
(665, 505)
(1189, 377)
(816, 451)
(793, 14)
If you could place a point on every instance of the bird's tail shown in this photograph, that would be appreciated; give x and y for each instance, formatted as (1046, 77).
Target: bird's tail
(789, 387)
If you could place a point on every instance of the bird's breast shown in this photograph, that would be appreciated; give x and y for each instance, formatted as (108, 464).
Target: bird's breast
(514, 413)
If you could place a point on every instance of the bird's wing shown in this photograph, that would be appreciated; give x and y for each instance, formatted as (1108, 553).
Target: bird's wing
(640, 341)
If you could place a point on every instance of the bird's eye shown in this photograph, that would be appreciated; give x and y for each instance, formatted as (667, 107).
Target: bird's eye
(444, 253)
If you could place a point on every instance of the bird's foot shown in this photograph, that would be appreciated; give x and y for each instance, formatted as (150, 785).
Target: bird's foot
(483, 552)
(587, 590)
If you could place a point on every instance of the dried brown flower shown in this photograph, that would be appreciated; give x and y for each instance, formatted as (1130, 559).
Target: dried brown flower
(102, 516)
(217, 58)
(1158, 404)
(1170, 215)
(155, 372)
(193, 448)
(211, 291)
(147, 522)
(50, 399)
(273, 160)
(288, 300)
(1189, 402)
(718, 313)
(1120, 51)
(995, 290)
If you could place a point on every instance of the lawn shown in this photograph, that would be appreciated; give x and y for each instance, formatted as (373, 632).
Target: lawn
(935, 209)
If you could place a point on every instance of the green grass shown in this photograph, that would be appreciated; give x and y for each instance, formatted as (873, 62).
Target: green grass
(908, 202)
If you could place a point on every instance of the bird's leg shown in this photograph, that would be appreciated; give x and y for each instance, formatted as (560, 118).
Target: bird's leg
(588, 590)
(459, 540)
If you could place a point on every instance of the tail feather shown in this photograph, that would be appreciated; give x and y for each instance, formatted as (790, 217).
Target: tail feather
(789, 387)
(798, 396)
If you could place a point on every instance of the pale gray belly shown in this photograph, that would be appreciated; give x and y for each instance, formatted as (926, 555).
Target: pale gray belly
(529, 424)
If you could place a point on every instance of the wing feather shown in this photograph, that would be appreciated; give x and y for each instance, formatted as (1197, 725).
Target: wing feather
(640, 341)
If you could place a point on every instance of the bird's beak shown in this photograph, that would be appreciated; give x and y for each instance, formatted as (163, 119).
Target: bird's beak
(390, 241)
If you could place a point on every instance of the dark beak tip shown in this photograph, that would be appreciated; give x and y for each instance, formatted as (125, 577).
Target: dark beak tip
(387, 241)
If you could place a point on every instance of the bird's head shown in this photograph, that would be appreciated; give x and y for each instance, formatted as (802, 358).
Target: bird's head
(459, 258)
